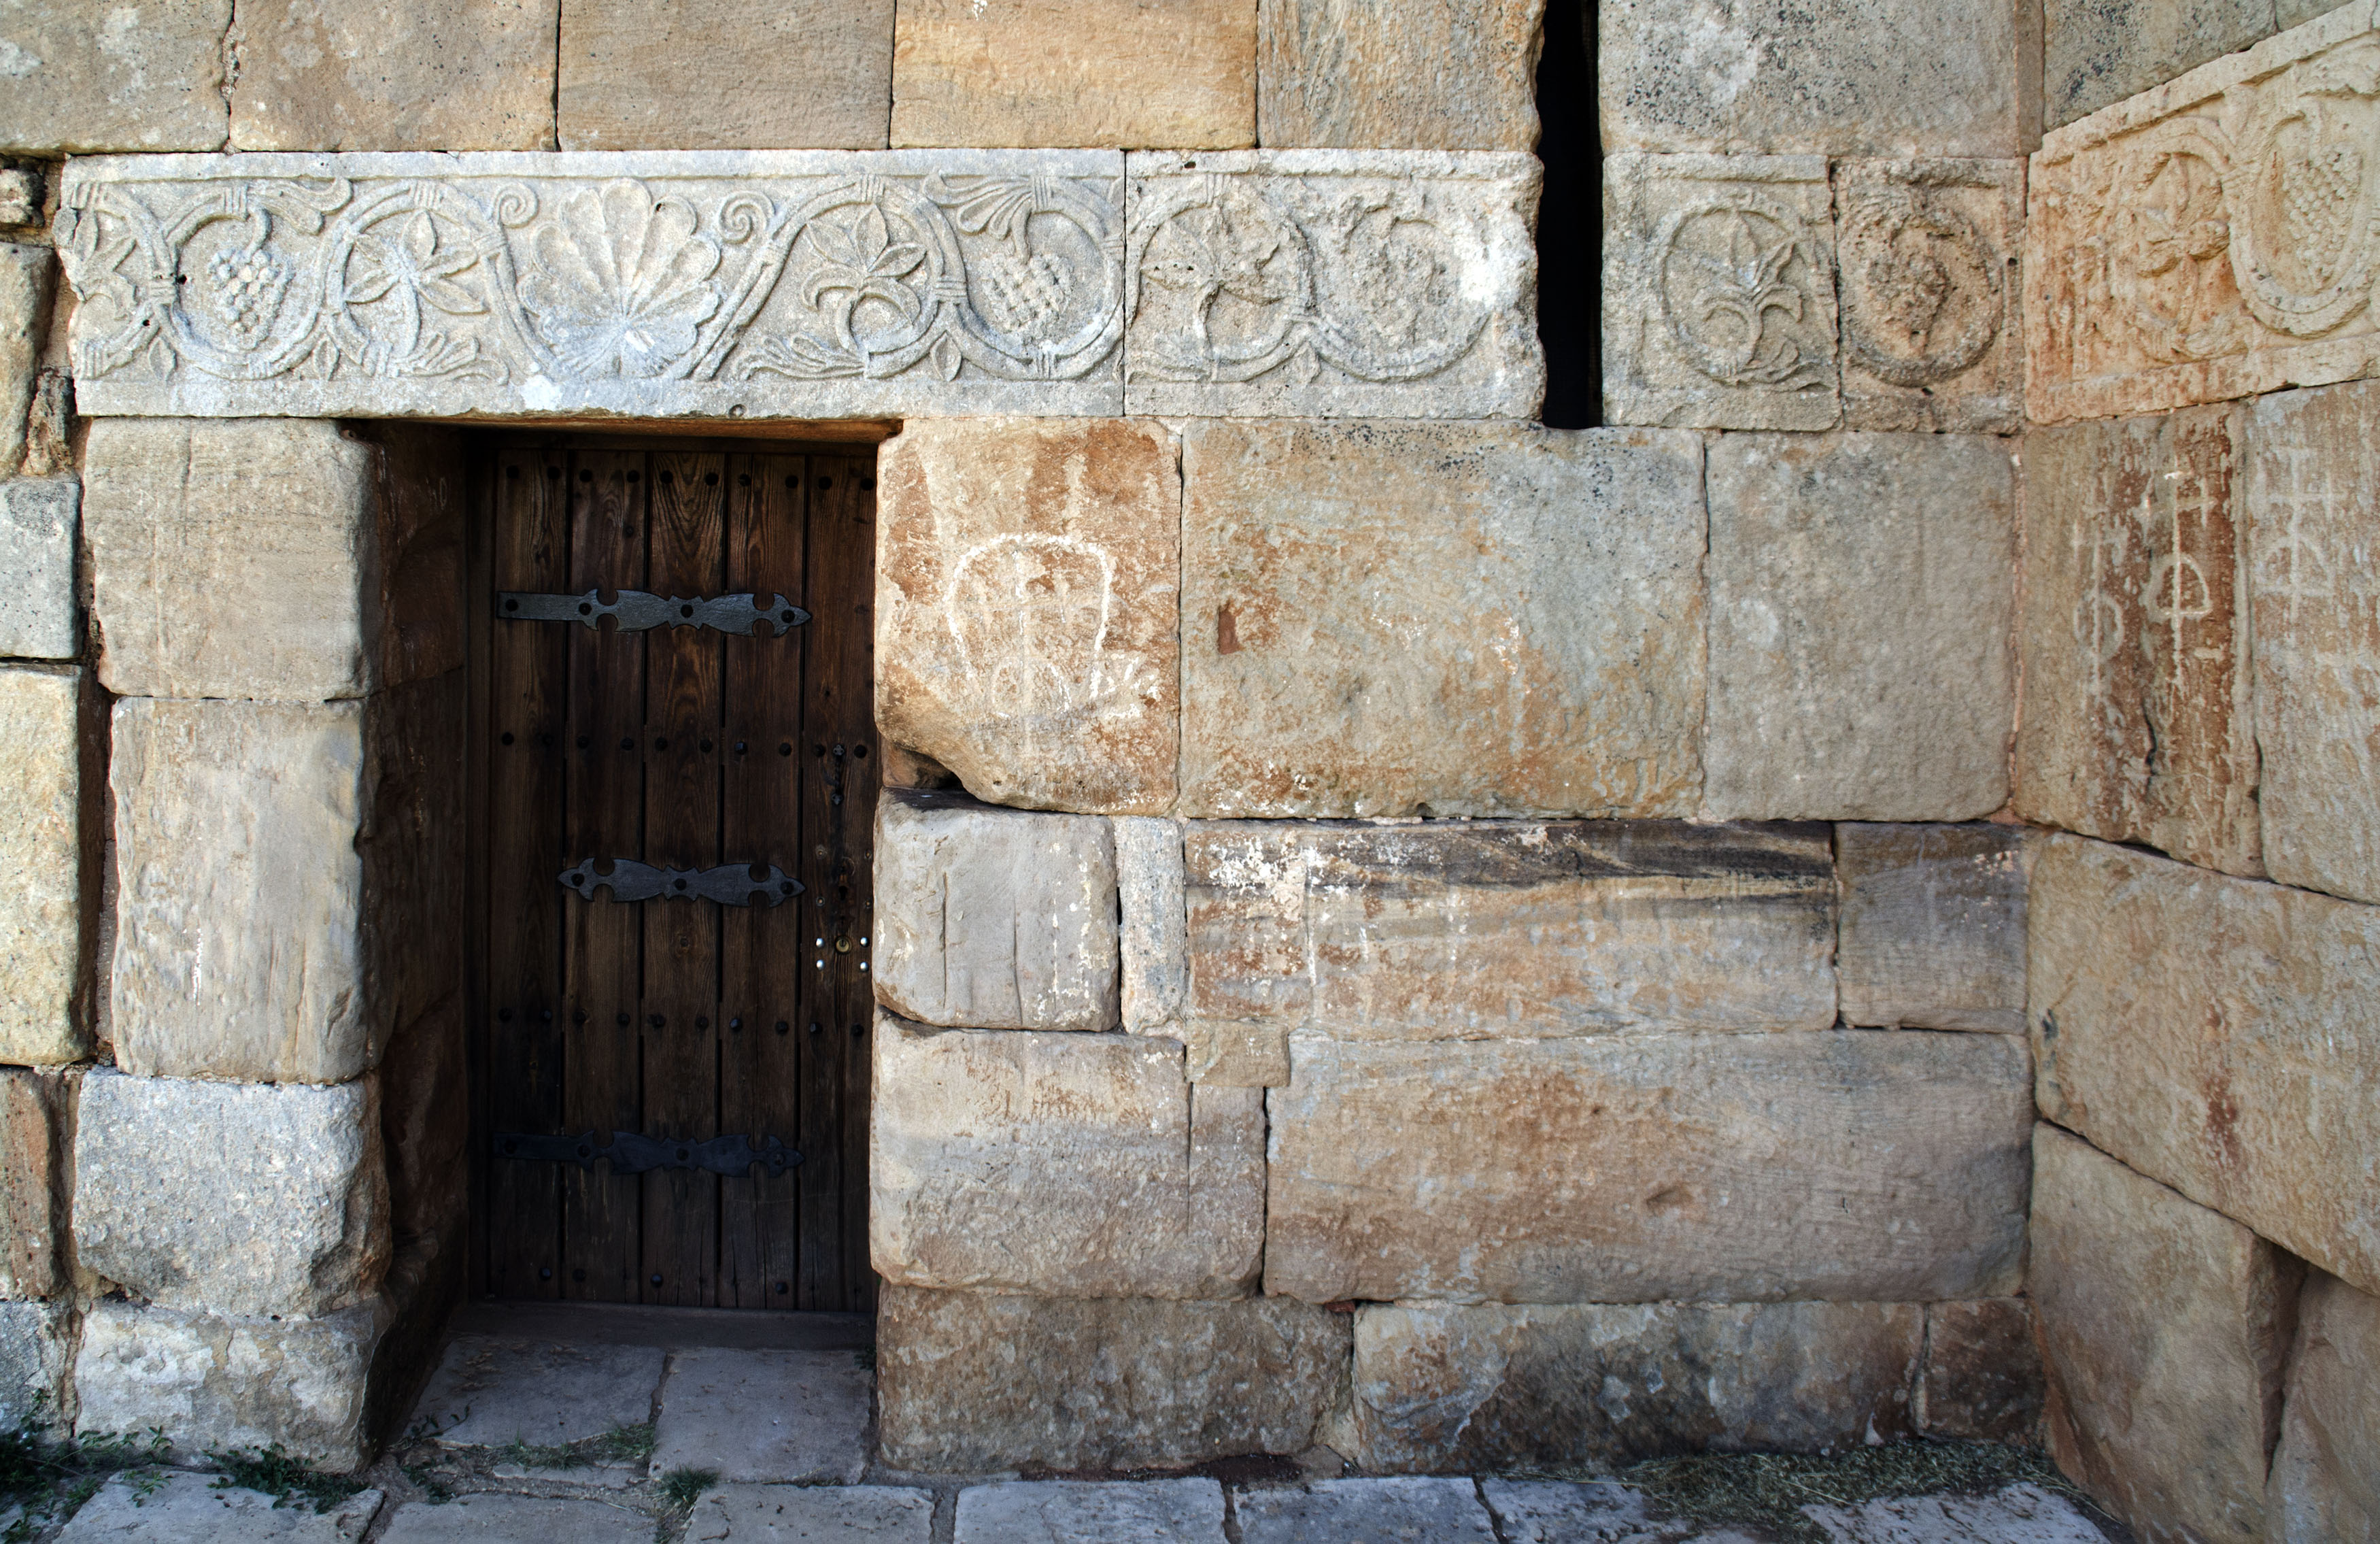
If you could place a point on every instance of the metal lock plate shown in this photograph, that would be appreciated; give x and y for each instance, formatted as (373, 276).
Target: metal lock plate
(730, 884)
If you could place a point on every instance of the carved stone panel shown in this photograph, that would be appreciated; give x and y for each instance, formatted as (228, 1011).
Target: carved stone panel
(1334, 284)
(1932, 339)
(766, 285)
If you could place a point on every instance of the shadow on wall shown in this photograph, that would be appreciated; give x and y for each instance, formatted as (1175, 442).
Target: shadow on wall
(1570, 220)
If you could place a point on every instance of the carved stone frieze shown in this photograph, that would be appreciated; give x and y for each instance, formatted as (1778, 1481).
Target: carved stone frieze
(1928, 294)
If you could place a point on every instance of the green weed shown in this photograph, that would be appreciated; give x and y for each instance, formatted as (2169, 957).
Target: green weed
(286, 1480)
(680, 1487)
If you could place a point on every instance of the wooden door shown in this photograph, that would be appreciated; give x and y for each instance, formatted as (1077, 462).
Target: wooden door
(669, 1037)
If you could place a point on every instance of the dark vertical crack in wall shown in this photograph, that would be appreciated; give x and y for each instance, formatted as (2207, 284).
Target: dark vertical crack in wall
(1570, 221)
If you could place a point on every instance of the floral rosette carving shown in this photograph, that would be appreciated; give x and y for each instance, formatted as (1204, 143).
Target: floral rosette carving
(1736, 276)
(619, 282)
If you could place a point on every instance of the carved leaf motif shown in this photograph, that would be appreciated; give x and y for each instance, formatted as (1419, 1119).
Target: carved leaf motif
(863, 262)
(622, 287)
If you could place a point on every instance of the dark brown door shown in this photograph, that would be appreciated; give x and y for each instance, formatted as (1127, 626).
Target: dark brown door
(672, 1035)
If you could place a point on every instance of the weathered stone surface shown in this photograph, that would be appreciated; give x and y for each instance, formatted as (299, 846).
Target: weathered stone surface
(2164, 1328)
(2325, 1478)
(168, 1508)
(146, 76)
(1555, 1512)
(1840, 1165)
(493, 1517)
(36, 1140)
(1361, 284)
(1685, 342)
(1455, 930)
(2099, 52)
(49, 425)
(1446, 1388)
(1863, 605)
(994, 919)
(1415, 75)
(1933, 333)
(721, 75)
(791, 1416)
(351, 75)
(2217, 1035)
(26, 276)
(1852, 78)
(812, 1515)
(37, 1351)
(1028, 584)
(2137, 717)
(1060, 1165)
(20, 195)
(1322, 674)
(1089, 1511)
(1933, 926)
(1230, 1054)
(1356, 1510)
(425, 1124)
(43, 908)
(967, 1382)
(2015, 1514)
(2293, 13)
(2185, 246)
(271, 1198)
(1153, 922)
(39, 618)
(739, 267)
(1981, 1382)
(490, 1393)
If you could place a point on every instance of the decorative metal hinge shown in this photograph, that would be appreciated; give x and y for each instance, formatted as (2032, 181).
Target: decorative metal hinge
(730, 884)
(634, 1153)
(635, 611)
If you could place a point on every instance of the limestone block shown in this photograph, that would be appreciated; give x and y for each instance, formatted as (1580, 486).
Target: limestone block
(27, 274)
(1933, 333)
(809, 1514)
(2098, 52)
(2325, 1478)
(994, 284)
(37, 1350)
(1863, 611)
(2012, 1515)
(1559, 1512)
(36, 1141)
(1875, 78)
(146, 76)
(44, 907)
(1933, 926)
(968, 1381)
(2137, 723)
(1840, 1165)
(1981, 1382)
(1060, 1166)
(1415, 75)
(2216, 1035)
(1457, 930)
(1442, 1387)
(1064, 1511)
(150, 1506)
(1718, 292)
(49, 425)
(1121, 73)
(1230, 1054)
(394, 75)
(20, 195)
(2165, 264)
(490, 1393)
(722, 75)
(496, 1517)
(1153, 922)
(1353, 1510)
(39, 618)
(2293, 12)
(1028, 584)
(2164, 1328)
(798, 1416)
(267, 1199)
(993, 919)
(1473, 619)
(1360, 284)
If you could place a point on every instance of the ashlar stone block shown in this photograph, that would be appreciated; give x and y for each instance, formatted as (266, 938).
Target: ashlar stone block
(1028, 608)
(38, 616)
(1442, 1511)
(391, 75)
(1416, 74)
(146, 1506)
(36, 1142)
(37, 1354)
(1932, 934)
(2095, 53)
(1060, 1165)
(146, 76)
(27, 276)
(1982, 1381)
(1065, 1512)
(490, 1393)
(1153, 920)
(1718, 292)
(811, 1514)
(1360, 284)
(1477, 619)
(44, 910)
(722, 75)
(781, 1414)
(2325, 1478)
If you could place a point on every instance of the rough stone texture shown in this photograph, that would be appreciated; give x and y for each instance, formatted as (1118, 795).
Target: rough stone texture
(146, 76)
(39, 618)
(966, 1383)
(20, 195)
(1322, 673)
(1417, 75)
(270, 1199)
(43, 907)
(1933, 330)
(1445, 1388)
(2017, 1515)
(722, 75)
(2137, 716)
(2326, 1477)
(1460, 930)
(1060, 1165)
(1981, 1382)
(1693, 338)
(335, 75)
(812, 1515)
(1236, 1055)
(1359, 1511)
(1850, 78)
(1840, 1165)
(1121, 73)
(1933, 926)
(169, 1508)
(490, 1393)
(2293, 12)
(37, 1352)
(2099, 52)
(1153, 919)
(1334, 284)
(1863, 605)
(994, 919)
(1028, 593)
(2217, 1035)
(36, 1146)
(27, 274)
(792, 1416)
(493, 1517)
(1080, 1512)
(49, 425)
(1557, 1511)
(425, 1125)
(2164, 1328)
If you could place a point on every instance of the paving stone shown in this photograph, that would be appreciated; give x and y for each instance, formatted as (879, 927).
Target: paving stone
(812, 1515)
(1153, 922)
(1365, 284)
(1362, 1510)
(1573, 687)
(721, 75)
(795, 1415)
(1932, 934)
(1061, 1165)
(1862, 610)
(27, 274)
(1077, 1512)
(37, 1112)
(491, 1517)
(488, 1393)
(1982, 1381)
(151, 1507)
(37, 1354)
(1413, 75)
(39, 618)
(46, 907)
(336, 74)
(2018, 1515)
(1028, 608)
(2325, 1478)
(1555, 1512)
(2098, 52)
(139, 76)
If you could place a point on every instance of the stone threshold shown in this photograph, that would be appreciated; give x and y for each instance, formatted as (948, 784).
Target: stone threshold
(667, 1329)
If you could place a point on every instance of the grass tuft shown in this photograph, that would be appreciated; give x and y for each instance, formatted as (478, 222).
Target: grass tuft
(288, 1480)
(622, 1444)
(680, 1487)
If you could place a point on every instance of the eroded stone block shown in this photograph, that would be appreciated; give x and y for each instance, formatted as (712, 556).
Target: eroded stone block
(336, 74)
(151, 1507)
(37, 1352)
(1933, 332)
(2012, 1515)
(1364, 284)
(1981, 1382)
(1153, 919)
(1933, 926)
(1417, 74)
(26, 276)
(2098, 52)
(1473, 619)
(36, 1126)
(799, 1416)
(495, 1517)
(721, 75)
(813, 1515)
(1065, 1512)
(2325, 1478)
(39, 617)
(1442, 1511)
(490, 1393)
(146, 76)
(43, 979)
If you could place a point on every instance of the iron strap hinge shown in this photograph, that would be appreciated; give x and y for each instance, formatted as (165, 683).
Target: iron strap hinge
(636, 610)
(730, 884)
(634, 1153)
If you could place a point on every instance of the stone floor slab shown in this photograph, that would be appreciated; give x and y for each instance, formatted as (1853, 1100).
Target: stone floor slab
(187, 1508)
(812, 1515)
(1077, 1512)
(493, 1518)
(487, 1392)
(1554, 1512)
(1364, 1512)
(765, 1415)
(2020, 1514)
